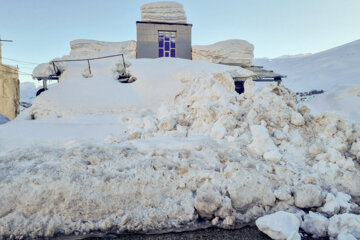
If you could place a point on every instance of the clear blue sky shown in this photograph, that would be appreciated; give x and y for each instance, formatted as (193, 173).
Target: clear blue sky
(42, 29)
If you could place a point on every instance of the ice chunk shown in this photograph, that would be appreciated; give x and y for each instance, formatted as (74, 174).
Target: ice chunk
(307, 196)
(207, 200)
(262, 143)
(297, 119)
(280, 225)
(218, 130)
(345, 223)
(315, 224)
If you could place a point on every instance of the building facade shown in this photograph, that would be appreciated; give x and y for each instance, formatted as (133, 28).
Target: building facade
(163, 39)
(9, 90)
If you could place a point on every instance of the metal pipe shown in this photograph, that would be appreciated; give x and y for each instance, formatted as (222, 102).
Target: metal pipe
(89, 66)
(86, 59)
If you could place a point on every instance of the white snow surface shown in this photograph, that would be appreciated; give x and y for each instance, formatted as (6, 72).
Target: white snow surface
(336, 71)
(342, 100)
(166, 11)
(235, 51)
(27, 91)
(158, 154)
(323, 70)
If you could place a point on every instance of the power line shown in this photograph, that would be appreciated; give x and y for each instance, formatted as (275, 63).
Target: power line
(20, 72)
(20, 61)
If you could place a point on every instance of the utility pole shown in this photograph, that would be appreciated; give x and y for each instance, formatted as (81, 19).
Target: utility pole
(1, 40)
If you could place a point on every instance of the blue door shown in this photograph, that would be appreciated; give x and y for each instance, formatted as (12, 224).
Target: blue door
(167, 44)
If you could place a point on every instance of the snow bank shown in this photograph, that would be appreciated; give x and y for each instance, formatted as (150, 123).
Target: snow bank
(237, 52)
(176, 149)
(171, 12)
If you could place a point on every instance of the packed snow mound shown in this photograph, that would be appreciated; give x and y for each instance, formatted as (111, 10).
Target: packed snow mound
(171, 12)
(344, 100)
(320, 71)
(82, 49)
(102, 94)
(3, 119)
(180, 150)
(85, 47)
(237, 52)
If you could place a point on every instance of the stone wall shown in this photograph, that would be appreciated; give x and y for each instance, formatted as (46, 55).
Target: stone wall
(9, 91)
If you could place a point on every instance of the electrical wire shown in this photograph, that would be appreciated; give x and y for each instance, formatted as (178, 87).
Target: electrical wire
(18, 73)
(12, 70)
(20, 61)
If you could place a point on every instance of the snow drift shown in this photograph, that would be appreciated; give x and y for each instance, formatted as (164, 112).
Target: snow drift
(178, 149)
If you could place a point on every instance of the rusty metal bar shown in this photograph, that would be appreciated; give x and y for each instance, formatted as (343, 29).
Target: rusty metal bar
(86, 59)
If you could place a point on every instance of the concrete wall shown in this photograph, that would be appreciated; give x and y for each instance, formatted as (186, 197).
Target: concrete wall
(147, 39)
(9, 91)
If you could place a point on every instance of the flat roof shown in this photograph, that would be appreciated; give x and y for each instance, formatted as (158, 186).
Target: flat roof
(165, 23)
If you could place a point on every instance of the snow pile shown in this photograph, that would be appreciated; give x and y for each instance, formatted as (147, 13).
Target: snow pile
(81, 49)
(344, 100)
(171, 12)
(237, 52)
(176, 149)
(102, 94)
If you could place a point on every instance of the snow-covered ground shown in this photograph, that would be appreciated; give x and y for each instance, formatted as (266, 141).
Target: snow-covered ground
(176, 149)
(342, 100)
(320, 71)
(336, 71)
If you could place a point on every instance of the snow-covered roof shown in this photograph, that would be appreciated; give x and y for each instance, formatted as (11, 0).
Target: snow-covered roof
(171, 12)
(234, 51)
